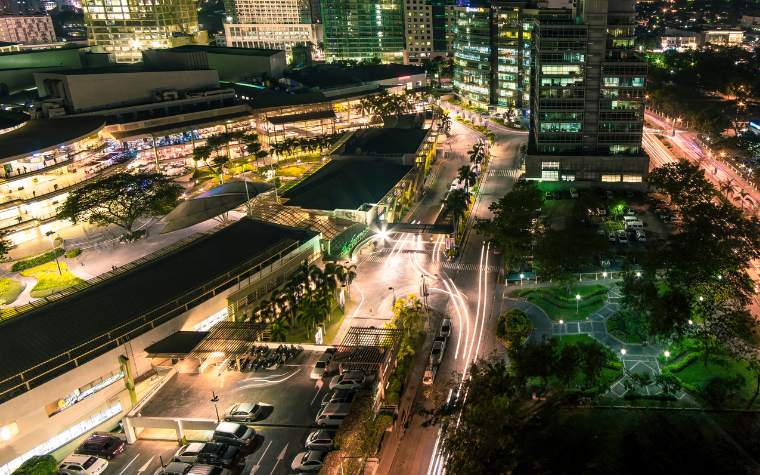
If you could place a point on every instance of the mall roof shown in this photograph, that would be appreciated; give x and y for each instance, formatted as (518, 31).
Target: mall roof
(228, 50)
(332, 75)
(70, 326)
(39, 135)
(347, 184)
(385, 141)
(177, 344)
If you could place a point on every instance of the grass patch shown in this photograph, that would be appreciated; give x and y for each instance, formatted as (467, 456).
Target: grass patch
(49, 281)
(696, 374)
(626, 327)
(301, 334)
(291, 171)
(560, 304)
(10, 289)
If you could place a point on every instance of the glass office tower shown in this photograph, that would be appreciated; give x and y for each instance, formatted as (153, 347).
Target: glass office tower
(363, 29)
(123, 28)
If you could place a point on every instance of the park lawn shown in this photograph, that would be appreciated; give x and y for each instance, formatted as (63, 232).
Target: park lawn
(10, 289)
(696, 374)
(561, 305)
(622, 327)
(301, 334)
(291, 171)
(49, 281)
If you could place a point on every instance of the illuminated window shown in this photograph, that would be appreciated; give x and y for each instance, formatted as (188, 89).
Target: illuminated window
(611, 178)
(550, 165)
(551, 175)
(632, 178)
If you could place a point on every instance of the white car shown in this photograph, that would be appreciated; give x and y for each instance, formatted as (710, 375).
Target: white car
(245, 412)
(310, 461)
(348, 380)
(82, 465)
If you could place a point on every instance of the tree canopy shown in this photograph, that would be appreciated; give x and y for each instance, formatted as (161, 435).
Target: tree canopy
(121, 199)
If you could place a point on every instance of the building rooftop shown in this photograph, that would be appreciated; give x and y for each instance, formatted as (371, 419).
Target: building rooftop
(178, 343)
(39, 135)
(385, 141)
(114, 305)
(347, 184)
(333, 75)
(228, 50)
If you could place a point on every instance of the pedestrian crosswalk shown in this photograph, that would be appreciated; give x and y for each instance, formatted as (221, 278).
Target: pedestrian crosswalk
(510, 172)
(468, 267)
(380, 257)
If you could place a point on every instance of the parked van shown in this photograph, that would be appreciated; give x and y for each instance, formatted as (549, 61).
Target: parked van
(320, 367)
(629, 218)
(634, 225)
(333, 414)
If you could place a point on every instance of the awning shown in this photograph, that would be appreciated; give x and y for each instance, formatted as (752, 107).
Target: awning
(289, 119)
(179, 127)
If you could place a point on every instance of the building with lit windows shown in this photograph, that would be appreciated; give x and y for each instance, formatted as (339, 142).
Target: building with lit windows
(123, 28)
(492, 47)
(587, 94)
(427, 29)
(728, 38)
(363, 29)
(26, 29)
(275, 24)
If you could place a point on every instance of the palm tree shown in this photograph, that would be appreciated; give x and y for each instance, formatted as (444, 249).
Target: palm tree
(444, 123)
(457, 202)
(279, 330)
(727, 187)
(466, 175)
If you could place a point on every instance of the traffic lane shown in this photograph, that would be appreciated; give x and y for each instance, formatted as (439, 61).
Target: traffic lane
(275, 450)
(289, 391)
(142, 457)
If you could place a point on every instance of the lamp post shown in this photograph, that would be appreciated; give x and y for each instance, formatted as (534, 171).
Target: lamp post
(214, 400)
(393, 289)
(55, 253)
(577, 302)
(522, 276)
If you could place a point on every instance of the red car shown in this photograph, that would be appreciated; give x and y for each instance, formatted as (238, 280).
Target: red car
(102, 445)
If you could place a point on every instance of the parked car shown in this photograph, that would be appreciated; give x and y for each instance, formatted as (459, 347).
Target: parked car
(102, 445)
(188, 453)
(333, 414)
(621, 236)
(573, 193)
(80, 464)
(348, 380)
(207, 453)
(208, 470)
(320, 367)
(641, 235)
(445, 330)
(321, 439)
(174, 468)
(310, 461)
(234, 434)
(612, 237)
(338, 395)
(245, 412)
(436, 354)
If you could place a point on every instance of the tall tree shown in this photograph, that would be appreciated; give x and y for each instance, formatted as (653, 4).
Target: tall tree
(456, 204)
(121, 199)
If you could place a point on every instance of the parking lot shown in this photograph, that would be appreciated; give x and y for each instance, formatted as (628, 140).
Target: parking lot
(294, 397)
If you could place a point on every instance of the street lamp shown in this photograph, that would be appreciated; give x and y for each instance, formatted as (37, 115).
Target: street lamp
(55, 250)
(604, 275)
(522, 276)
(638, 274)
(623, 351)
(577, 302)
(561, 322)
(392, 289)
(667, 354)
(214, 400)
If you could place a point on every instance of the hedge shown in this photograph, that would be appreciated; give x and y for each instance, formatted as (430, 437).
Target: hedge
(71, 253)
(37, 260)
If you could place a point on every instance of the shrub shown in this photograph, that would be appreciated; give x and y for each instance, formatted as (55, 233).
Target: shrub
(720, 390)
(71, 253)
(513, 328)
(683, 362)
(36, 260)
(38, 465)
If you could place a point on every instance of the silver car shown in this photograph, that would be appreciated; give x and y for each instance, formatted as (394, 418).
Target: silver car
(321, 439)
(348, 380)
(310, 461)
(245, 412)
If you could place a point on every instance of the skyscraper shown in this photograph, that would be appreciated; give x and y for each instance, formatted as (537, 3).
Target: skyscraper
(427, 29)
(363, 29)
(124, 28)
(492, 47)
(277, 24)
(587, 96)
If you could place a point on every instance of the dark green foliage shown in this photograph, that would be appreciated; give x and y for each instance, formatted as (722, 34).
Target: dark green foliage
(37, 260)
(38, 465)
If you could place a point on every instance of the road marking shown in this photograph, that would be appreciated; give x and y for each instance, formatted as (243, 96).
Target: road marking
(279, 458)
(256, 467)
(127, 465)
(147, 464)
(319, 390)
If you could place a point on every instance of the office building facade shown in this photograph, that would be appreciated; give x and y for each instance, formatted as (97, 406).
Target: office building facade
(427, 29)
(587, 96)
(27, 30)
(363, 30)
(492, 47)
(124, 28)
(275, 24)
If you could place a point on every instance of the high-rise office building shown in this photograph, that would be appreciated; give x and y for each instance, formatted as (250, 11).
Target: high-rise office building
(427, 29)
(587, 96)
(363, 29)
(492, 47)
(26, 29)
(275, 24)
(123, 28)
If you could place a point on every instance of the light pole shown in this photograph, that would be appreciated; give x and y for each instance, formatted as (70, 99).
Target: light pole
(522, 276)
(215, 399)
(393, 289)
(577, 302)
(55, 250)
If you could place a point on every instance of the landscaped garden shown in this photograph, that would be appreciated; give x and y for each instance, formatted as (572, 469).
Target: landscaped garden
(50, 280)
(10, 289)
(561, 303)
(627, 327)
